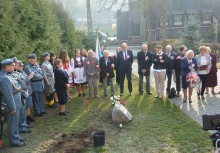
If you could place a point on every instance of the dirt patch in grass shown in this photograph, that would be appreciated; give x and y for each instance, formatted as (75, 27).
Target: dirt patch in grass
(73, 143)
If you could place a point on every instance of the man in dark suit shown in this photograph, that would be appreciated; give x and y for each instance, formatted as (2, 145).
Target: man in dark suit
(177, 67)
(144, 59)
(170, 61)
(125, 61)
(106, 65)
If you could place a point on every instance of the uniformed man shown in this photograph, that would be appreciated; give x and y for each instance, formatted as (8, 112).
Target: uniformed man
(11, 91)
(49, 80)
(28, 103)
(23, 127)
(37, 84)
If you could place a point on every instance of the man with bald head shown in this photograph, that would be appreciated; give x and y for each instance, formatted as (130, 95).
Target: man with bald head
(125, 61)
(170, 61)
(144, 58)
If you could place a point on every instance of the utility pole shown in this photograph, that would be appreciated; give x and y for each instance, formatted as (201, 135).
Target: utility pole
(89, 17)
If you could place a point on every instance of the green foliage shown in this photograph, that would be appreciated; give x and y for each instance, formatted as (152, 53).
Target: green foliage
(190, 35)
(35, 26)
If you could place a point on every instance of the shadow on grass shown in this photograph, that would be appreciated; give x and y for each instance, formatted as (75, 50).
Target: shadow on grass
(157, 126)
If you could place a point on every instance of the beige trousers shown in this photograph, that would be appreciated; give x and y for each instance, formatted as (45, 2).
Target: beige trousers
(93, 86)
(159, 81)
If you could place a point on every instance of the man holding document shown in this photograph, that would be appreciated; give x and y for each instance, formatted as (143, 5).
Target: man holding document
(204, 64)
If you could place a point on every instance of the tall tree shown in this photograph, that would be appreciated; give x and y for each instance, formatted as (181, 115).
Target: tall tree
(191, 35)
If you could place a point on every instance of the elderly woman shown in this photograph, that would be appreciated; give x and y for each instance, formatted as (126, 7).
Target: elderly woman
(204, 64)
(188, 64)
(212, 76)
(159, 70)
(91, 71)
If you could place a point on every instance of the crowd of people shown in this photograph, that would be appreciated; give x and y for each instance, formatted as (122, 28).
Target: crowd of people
(24, 87)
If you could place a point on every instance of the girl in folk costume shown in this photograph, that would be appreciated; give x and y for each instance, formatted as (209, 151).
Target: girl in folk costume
(78, 73)
(68, 68)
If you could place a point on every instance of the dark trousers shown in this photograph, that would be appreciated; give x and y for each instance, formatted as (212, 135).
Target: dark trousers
(122, 78)
(117, 76)
(177, 81)
(203, 79)
(169, 79)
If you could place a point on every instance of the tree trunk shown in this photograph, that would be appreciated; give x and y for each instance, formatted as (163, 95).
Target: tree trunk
(143, 20)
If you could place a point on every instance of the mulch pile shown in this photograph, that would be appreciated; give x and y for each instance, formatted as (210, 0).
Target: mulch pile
(73, 143)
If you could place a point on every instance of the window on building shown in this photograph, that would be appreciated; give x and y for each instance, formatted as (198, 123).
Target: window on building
(207, 18)
(178, 19)
(162, 18)
(193, 15)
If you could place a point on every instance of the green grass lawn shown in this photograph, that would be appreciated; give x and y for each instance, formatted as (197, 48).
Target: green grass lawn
(157, 126)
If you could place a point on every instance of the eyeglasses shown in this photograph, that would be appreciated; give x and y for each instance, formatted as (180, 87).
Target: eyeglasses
(12, 65)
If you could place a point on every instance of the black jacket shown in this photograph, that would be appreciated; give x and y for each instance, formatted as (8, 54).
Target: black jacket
(144, 62)
(106, 68)
(157, 63)
(170, 62)
(61, 79)
(125, 64)
(177, 63)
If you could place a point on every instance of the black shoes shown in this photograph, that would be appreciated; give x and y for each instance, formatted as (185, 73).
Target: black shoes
(25, 131)
(30, 119)
(43, 112)
(81, 94)
(21, 144)
(53, 105)
(23, 139)
(38, 114)
(63, 113)
(178, 94)
(104, 96)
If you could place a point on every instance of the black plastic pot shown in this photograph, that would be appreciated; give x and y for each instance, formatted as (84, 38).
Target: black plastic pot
(98, 138)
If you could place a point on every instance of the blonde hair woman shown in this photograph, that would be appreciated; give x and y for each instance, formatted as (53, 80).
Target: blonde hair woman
(204, 64)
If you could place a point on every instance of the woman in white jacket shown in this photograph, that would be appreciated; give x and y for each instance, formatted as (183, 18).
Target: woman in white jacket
(204, 64)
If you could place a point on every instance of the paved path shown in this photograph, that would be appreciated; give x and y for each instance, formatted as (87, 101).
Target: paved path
(199, 107)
